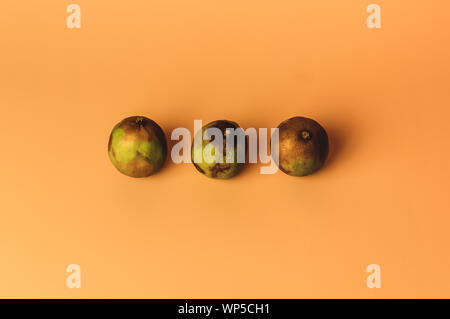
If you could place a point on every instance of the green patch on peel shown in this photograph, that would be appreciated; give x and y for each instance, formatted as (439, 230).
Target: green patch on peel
(151, 151)
(300, 167)
(127, 150)
(213, 169)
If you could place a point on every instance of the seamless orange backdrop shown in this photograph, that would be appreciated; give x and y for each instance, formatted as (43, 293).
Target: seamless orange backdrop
(383, 96)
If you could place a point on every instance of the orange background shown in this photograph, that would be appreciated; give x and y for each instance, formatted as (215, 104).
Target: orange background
(383, 95)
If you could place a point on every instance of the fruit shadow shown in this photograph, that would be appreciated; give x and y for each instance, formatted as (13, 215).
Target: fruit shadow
(251, 169)
(170, 143)
(339, 136)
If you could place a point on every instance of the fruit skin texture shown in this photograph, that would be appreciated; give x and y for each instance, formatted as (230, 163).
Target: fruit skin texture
(217, 170)
(303, 146)
(137, 146)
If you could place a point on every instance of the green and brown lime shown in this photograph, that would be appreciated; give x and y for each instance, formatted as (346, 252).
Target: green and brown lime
(303, 146)
(137, 146)
(209, 166)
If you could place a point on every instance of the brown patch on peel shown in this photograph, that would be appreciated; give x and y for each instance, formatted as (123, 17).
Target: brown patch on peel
(198, 168)
(218, 168)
